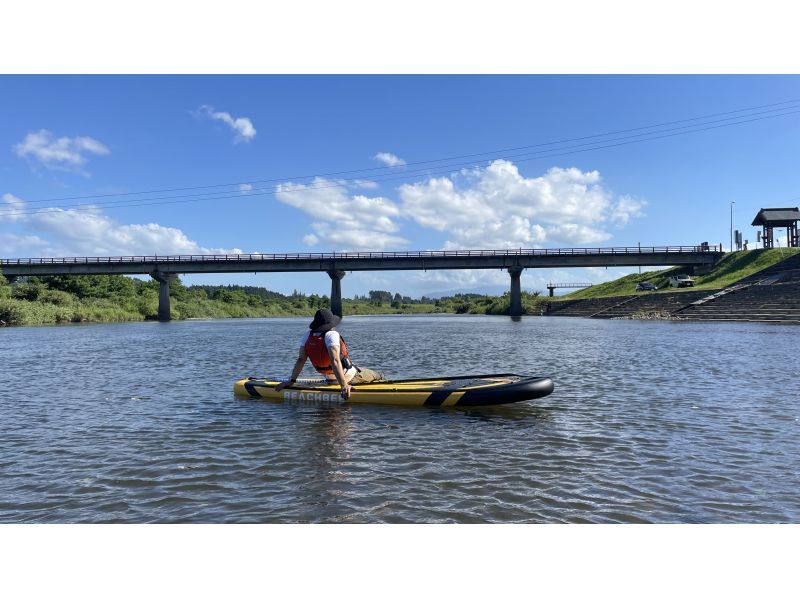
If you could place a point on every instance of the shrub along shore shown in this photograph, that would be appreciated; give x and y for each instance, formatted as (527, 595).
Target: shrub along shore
(115, 298)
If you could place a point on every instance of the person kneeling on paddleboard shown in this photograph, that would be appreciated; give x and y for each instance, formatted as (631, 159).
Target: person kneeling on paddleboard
(327, 351)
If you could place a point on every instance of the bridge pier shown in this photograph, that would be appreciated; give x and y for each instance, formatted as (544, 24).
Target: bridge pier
(515, 309)
(163, 279)
(336, 291)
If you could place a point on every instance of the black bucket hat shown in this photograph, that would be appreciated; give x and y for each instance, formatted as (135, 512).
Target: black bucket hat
(324, 320)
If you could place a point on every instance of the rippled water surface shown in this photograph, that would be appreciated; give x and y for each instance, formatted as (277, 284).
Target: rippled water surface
(649, 422)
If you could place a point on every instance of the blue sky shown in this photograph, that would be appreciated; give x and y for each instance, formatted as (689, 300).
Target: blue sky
(82, 136)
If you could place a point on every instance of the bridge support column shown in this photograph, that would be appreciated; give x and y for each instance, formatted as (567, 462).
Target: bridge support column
(515, 309)
(164, 279)
(336, 291)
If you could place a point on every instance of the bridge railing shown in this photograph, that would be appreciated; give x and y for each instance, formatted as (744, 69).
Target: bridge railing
(239, 257)
(569, 285)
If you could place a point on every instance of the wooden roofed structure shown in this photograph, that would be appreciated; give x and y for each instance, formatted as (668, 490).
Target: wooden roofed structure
(771, 218)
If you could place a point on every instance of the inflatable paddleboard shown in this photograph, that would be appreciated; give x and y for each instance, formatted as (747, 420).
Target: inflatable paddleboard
(462, 391)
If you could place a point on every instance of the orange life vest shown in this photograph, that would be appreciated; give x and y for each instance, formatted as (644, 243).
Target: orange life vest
(318, 353)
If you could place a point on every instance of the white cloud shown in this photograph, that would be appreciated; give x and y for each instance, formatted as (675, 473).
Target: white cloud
(242, 126)
(22, 246)
(625, 209)
(310, 240)
(245, 188)
(342, 220)
(389, 159)
(90, 232)
(570, 233)
(491, 207)
(353, 237)
(443, 280)
(361, 184)
(10, 208)
(514, 231)
(494, 282)
(63, 153)
(497, 207)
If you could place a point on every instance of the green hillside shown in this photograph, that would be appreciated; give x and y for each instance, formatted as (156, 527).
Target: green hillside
(730, 269)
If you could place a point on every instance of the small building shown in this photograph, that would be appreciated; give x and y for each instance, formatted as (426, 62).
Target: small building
(771, 218)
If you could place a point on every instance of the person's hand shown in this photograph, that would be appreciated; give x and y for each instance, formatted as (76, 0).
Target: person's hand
(282, 385)
(346, 391)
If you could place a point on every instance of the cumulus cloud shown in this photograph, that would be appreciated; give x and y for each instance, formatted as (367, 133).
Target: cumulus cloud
(90, 232)
(22, 245)
(494, 282)
(489, 207)
(362, 184)
(353, 237)
(625, 209)
(241, 126)
(389, 159)
(343, 220)
(62, 153)
(10, 208)
(462, 279)
(496, 206)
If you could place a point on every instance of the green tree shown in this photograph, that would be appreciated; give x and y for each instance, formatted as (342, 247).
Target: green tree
(380, 297)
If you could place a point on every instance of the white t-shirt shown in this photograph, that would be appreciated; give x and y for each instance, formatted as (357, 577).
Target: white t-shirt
(332, 339)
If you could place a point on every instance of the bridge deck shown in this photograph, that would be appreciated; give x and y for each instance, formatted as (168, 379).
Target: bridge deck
(353, 261)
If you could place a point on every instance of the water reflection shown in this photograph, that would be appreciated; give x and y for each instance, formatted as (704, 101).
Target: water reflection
(508, 413)
(322, 442)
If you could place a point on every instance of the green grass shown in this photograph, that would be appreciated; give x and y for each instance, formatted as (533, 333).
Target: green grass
(729, 270)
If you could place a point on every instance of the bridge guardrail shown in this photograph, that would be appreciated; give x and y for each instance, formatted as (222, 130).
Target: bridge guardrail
(569, 285)
(359, 255)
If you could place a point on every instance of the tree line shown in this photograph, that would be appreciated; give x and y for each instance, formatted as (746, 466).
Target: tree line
(117, 298)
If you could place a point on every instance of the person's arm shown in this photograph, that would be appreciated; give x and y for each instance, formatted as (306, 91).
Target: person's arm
(338, 371)
(298, 367)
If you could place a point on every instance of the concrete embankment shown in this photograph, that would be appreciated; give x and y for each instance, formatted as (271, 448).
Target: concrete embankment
(771, 295)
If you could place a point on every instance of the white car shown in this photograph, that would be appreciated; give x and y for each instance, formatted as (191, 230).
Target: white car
(681, 280)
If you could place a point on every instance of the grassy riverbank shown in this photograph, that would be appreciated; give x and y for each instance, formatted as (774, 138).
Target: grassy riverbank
(730, 269)
(64, 299)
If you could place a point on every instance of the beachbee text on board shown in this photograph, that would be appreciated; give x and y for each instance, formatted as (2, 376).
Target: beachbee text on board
(315, 396)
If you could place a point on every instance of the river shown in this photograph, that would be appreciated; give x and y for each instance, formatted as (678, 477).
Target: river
(650, 421)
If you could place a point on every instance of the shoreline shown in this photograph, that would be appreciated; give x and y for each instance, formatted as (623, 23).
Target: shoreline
(269, 317)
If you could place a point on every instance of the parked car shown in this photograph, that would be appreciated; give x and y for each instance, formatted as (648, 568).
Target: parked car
(646, 286)
(681, 280)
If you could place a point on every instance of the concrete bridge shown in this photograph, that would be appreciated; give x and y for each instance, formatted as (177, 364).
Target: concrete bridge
(514, 261)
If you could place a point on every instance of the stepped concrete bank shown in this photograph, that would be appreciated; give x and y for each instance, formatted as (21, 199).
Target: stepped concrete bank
(771, 295)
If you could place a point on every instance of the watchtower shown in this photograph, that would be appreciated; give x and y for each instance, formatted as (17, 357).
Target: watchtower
(770, 218)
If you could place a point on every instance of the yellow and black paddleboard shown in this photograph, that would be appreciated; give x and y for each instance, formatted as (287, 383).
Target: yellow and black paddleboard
(463, 391)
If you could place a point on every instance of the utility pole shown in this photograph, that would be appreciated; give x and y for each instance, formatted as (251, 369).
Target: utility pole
(639, 243)
(733, 202)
